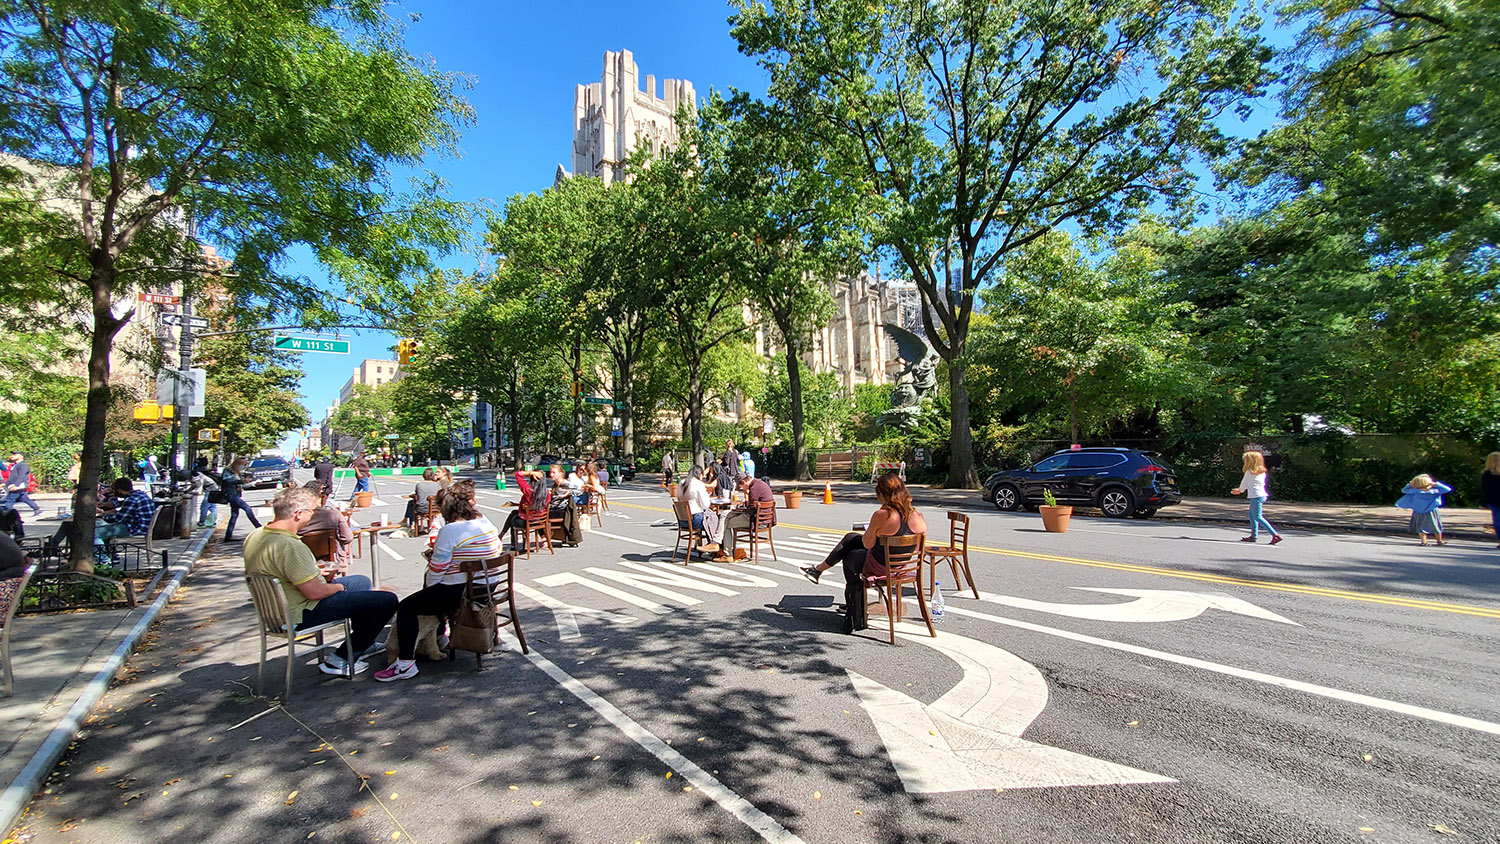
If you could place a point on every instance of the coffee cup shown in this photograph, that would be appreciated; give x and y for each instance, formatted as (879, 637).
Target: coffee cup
(385, 519)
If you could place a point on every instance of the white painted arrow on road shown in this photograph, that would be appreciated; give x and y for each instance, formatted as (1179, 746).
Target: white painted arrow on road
(970, 737)
(1150, 605)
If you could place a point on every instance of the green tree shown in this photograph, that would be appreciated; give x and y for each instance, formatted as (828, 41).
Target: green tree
(39, 407)
(265, 129)
(974, 128)
(252, 391)
(818, 396)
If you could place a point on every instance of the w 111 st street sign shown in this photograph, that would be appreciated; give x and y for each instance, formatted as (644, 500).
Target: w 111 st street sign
(603, 402)
(312, 344)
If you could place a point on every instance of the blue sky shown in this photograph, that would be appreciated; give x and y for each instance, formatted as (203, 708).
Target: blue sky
(524, 60)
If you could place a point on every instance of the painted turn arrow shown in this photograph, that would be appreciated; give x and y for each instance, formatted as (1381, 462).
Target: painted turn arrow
(1150, 605)
(970, 737)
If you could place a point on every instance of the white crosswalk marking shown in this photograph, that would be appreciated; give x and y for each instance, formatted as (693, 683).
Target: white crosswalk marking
(566, 615)
(566, 577)
(389, 550)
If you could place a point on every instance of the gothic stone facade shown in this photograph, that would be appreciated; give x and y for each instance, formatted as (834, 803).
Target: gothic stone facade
(614, 116)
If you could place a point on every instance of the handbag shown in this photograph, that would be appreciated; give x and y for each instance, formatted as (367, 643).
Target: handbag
(473, 627)
(217, 496)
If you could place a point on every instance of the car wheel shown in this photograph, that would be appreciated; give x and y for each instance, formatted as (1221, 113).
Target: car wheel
(1145, 513)
(1006, 497)
(1117, 502)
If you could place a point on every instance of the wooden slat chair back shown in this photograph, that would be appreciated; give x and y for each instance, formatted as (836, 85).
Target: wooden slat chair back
(501, 590)
(11, 590)
(591, 507)
(685, 530)
(904, 561)
(422, 522)
(956, 552)
(275, 618)
(537, 527)
(323, 543)
(765, 515)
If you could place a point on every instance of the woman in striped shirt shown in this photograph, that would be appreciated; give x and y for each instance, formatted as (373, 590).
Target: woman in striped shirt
(466, 535)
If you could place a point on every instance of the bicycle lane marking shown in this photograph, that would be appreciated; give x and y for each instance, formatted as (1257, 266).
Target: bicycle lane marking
(1315, 591)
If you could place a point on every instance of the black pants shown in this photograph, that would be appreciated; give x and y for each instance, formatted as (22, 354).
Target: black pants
(852, 553)
(439, 600)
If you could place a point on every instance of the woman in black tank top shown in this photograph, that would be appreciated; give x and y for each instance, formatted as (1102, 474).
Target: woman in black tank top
(896, 517)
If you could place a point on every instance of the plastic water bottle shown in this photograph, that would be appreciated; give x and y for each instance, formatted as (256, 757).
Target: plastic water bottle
(938, 604)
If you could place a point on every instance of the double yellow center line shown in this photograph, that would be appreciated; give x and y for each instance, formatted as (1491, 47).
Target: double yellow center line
(1316, 591)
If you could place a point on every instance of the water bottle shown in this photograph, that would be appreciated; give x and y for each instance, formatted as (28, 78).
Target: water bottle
(938, 604)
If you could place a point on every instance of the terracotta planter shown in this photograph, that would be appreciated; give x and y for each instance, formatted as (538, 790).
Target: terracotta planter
(793, 498)
(362, 499)
(1055, 519)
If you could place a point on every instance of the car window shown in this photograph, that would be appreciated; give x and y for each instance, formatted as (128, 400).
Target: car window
(1055, 463)
(1096, 460)
(265, 462)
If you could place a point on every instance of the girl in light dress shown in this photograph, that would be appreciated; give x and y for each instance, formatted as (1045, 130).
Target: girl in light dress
(1253, 487)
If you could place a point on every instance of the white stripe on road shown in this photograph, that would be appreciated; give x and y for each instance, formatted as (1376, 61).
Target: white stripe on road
(764, 825)
(566, 614)
(389, 550)
(598, 532)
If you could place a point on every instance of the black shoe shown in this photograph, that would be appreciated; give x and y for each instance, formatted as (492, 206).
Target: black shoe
(811, 573)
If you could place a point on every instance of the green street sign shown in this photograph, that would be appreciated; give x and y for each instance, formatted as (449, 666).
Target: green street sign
(312, 344)
(393, 436)
(597, 400)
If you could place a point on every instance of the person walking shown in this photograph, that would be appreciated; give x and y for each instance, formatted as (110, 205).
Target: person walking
(233, 485)
(204, 485)
(1253, 487)
(18, 485)
(1423, 497)
(150, 472)
(1489, 487)
(361, 475)
(323, 474)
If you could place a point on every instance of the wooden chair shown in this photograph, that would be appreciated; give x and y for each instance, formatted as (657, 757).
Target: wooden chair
(276, 622)
(11, 590)
(422, 522)
(685, 531)
(537, 524)
(956, 552)
(501, 589)
(903, 564)
(323, 543)
(591, 507)
(765, 516)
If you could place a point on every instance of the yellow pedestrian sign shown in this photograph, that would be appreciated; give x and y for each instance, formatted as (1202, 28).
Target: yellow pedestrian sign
(209, 435)
(478, 442)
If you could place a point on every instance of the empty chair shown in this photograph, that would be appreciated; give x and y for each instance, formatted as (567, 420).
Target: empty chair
(904, 563)
(276, 622)
(956, 552)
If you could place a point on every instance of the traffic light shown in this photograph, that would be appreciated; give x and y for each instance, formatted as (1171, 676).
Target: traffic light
(577, 389)
(404, 349)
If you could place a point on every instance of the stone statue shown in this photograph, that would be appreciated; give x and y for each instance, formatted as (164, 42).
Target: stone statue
(920, 366)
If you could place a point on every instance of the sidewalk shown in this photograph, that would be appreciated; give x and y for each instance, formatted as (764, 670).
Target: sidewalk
(63, 664)
(1458, 522)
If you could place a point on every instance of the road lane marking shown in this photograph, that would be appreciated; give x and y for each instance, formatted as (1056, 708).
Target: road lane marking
(1315, 591)
(1149, 606)
(566, 615)
(565, 577)
(389, 550)
(1245, 674)
(970, 738)
(656, 545)
(764, 825)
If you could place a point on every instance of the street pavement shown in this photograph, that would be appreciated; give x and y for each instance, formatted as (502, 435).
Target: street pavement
(1332, 688)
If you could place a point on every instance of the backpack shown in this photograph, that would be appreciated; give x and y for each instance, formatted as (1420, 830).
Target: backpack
(747, 465)
(31, 483)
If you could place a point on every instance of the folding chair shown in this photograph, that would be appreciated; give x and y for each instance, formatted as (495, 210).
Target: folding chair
(903, 564)
(956, 552)
(685, 531)
(141, 545)
(11, 590)
(501, 572)
(765, 514)
(276, 621)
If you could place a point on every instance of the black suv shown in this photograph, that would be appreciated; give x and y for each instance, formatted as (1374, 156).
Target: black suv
(1120, 481)
(267, 471)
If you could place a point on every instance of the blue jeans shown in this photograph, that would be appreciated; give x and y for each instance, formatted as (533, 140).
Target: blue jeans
(206, 509)
(1495, 519)
(104, 531)
(361, 484)
(697, 522)
(369, 609)
(236, 504)
(1257, 520)
(20, 497)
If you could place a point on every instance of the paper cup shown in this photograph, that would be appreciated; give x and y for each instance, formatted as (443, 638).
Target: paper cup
(384, 520)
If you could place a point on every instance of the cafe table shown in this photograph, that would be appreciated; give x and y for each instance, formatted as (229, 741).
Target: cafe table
(374, 532)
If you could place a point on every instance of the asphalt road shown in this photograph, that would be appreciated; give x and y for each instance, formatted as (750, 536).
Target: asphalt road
(1332, 688)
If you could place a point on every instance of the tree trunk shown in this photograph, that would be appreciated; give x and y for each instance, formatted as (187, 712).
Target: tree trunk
(86, 497)
(624, 394)
(801, 471)
(961, 474)
(577, 399)
(1073, 409)
(695, 409)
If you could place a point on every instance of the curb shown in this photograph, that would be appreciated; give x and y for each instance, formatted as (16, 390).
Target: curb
(26, 784)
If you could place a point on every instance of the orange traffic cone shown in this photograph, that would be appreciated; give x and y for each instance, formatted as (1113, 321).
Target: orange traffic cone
(827, 493)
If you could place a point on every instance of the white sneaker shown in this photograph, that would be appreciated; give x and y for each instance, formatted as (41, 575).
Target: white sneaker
(338, 666)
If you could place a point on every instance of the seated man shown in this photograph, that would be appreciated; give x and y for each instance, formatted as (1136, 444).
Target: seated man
(756, 491)
(13, 561)
(425, 489)
(275, 550)
(131, 516)
(329, 518)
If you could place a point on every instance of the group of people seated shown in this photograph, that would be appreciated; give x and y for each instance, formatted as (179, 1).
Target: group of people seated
(121, 511)
(708, 523)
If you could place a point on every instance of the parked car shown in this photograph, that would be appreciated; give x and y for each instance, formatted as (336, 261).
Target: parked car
(267, 471)
(1120, 481)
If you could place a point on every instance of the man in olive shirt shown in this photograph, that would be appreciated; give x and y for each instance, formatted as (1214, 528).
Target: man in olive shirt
(276, 550)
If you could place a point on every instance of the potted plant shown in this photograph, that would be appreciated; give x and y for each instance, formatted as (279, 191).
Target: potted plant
(793, 498)
(1054, 517)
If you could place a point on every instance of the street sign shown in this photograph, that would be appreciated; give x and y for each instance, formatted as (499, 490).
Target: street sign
(312, 344)
(617, 433)
(478, 442)
(597, 400)
(159, 298)
(208, 435)
(197, 323)
(393, 436)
